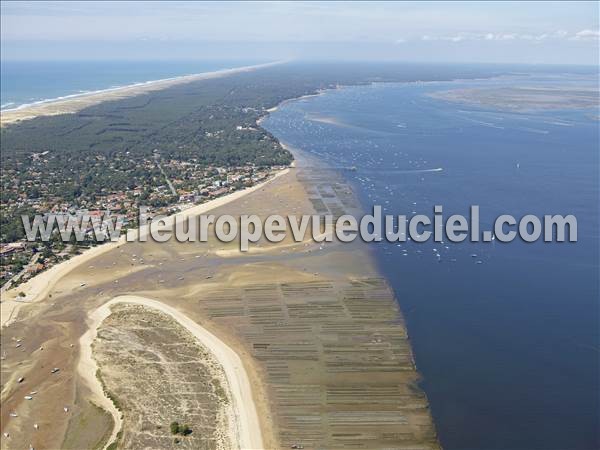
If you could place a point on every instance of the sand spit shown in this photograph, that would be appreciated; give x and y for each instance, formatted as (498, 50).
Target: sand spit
(246, 434)
(78, 102)
(39, 286)
(526, 98)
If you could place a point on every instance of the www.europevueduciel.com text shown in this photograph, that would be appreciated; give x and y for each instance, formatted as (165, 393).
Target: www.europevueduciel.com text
(248, 229)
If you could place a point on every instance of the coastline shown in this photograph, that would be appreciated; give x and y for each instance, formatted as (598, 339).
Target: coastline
(293, 99)
(76, 102)
(38, 287)
(87, 369)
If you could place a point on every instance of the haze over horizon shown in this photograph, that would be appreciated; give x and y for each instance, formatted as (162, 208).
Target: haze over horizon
(530, 32)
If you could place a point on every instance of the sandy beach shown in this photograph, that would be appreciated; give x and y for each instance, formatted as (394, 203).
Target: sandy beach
(87, 370)
(40, 285)
(246, 431)
(78, 102)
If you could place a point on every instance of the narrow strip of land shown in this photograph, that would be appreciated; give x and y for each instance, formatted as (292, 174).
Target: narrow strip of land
(79, 102)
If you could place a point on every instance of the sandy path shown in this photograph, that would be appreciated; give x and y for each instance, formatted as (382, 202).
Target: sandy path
(40, 286)
(247, 433)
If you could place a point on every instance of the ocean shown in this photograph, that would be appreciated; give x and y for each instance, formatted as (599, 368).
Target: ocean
(508, 347)
(26, 82)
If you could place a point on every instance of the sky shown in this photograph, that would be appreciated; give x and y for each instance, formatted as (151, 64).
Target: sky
(496, 32)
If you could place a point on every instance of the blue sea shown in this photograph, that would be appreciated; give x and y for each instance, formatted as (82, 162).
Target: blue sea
(25, 82)
(506, 336)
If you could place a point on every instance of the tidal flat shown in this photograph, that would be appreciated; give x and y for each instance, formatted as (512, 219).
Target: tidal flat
(317, 327)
